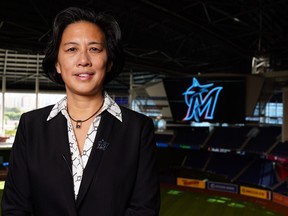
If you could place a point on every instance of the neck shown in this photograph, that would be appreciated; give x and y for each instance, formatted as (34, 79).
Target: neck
(80, 121)
(81, 108)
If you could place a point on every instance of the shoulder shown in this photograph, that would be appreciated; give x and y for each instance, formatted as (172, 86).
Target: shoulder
(131, 115)
(35, 119)
(38, 113)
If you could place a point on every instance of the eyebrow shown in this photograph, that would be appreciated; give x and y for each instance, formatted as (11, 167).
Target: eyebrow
(75, 43)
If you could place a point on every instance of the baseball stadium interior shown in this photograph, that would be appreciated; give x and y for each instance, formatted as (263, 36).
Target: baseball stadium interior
(213, 75)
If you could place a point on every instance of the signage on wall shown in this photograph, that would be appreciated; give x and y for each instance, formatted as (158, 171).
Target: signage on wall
(201, 101)
(207, 99)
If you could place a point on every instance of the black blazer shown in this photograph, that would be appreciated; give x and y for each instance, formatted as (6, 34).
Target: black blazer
(120, 178)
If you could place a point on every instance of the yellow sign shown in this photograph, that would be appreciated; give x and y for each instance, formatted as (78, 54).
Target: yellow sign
(2, 185)
(254, 192)
(191, 183)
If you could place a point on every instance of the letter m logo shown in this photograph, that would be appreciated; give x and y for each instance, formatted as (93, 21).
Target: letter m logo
(201, 101)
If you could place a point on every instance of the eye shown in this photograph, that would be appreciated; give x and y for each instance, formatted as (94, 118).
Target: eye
(71, 49)
(96, 49)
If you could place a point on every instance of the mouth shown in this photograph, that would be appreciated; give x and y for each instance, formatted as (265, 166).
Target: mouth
(84, 75)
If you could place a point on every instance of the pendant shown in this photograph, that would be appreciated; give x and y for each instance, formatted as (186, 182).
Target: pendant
(78, 124)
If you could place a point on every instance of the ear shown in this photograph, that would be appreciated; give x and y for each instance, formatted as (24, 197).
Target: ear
(109, 66)
(58, 68)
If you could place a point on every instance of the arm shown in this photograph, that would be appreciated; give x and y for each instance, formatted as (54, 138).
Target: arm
(145, 199)
(16, 198)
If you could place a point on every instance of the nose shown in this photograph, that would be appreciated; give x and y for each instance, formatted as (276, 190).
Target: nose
(84, 59)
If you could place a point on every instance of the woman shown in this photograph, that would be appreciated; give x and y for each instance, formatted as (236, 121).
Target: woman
(85, 155)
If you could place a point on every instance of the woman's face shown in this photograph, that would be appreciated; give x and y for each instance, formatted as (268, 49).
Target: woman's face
(82, 59)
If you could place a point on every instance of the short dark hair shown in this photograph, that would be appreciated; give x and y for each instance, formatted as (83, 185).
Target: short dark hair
(107, 24)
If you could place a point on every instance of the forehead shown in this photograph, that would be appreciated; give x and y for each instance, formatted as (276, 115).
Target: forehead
(83, 29)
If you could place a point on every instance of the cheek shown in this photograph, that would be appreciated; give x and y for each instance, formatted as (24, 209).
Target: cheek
(100, 63)
(63, 66)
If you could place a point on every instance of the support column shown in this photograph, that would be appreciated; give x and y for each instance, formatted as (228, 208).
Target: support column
(37, 82)
(2, 132)
(285, 115)
(131, 89)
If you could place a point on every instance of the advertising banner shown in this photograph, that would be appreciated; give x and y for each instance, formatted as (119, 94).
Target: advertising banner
(217, 186)
(194, 183)
(281, 199)
(254, 192)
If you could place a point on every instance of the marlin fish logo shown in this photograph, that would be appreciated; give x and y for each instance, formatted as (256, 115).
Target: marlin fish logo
(201, 101)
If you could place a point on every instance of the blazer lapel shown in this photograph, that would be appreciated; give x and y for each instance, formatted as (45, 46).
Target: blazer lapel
(100, 144)
(56, 138)
(59, 131)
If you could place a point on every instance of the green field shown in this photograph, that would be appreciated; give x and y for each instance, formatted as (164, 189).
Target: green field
(177, 202)
(188, 203)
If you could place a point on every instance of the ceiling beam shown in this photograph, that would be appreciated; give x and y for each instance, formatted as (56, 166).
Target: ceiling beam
(224, 40)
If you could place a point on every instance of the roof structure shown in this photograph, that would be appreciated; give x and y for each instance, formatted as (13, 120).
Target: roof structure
(166, 38)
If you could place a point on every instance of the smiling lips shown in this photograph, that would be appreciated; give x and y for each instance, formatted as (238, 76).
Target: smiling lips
(84, 75)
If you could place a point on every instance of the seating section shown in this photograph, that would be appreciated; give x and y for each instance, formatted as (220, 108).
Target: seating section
(281, 149)
(282, 188)
(228, 137)
(249, 166)
(163, 140)
(196, 159)
(191, 136)
(228, 165)
(261, 143)
(260, 172)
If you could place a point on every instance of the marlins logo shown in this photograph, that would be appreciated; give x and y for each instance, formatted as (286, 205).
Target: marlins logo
(201, 101)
